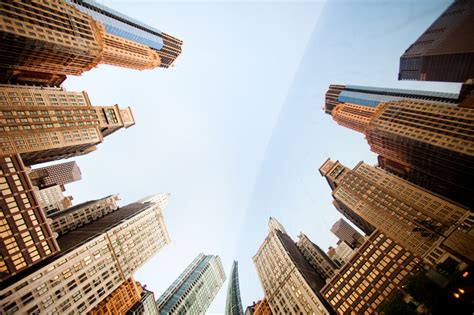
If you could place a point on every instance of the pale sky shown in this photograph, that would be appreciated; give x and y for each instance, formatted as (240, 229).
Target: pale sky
(235, 131)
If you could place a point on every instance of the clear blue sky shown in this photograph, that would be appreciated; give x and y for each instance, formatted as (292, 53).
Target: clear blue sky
(235, 131)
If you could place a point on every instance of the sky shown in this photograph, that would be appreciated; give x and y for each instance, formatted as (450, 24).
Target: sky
(235, 131)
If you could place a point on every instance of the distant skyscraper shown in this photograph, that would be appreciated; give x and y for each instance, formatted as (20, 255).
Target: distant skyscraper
(60, 174)
(321, 262)
(345, 232)
(436, 152)
(120, 300)
(47, 124)
(445, 51)
(375, 271)
(74, 217)
(233, 305)
(145, 306)
(428, 226)
(344, 252)
(94, 261)
(52, 199)
(195, 288)
(289, 282)
(25, 235)
(368, 96)
(57, 39)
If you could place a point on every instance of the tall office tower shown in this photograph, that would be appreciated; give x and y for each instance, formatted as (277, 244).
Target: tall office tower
(128, 42)
(368, 96)
(345, 232)
(289, 282)
(321, 262)
(428, 226)
(94, 261)
(47, 124)
(25, 236)
(195, 288)
(371, 276)
(145, 306)
(43, 41)
(60, 174)
(120, 300)
(52, 199)
(445, 51)
(233, 303)
(432, 139)
(428, 143)
(344, 252)
(74, 217)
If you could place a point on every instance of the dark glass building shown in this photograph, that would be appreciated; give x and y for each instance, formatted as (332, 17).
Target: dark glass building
(445, 51)
(233, 305)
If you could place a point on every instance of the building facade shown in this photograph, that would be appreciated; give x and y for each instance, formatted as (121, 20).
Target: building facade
(25, 235)
(47, 124)
(52, 199)
(195, 288)
(145, 306)
(79, 215)
(369, 96)
(59, 174)
(418, 220)
(233, 305)
(345, 232)
(321, 262)
(432, 139)
(289, 282)
(344, 252)
(445, 51)
(94, 261)
(43, 41)
(124, 30)
(262, 308)
(374, 273)
(120, 300)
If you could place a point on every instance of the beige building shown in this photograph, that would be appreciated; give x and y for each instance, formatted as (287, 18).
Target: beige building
(52, 199)
(74, 217)
(290, 284)
(25, 236)
(320, 261)
(376, 271)
(94, 261)
(428, 226)
(43, 41)
(46, 124)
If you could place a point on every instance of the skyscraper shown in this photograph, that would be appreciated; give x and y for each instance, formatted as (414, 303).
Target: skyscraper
(52, 199)
(369, 96)
(43, 41)
(195, 288)
(145, 306)
(120, 300)
(321, 262)
(428, 226)
(428, 143)
(60, 174)
(94, 261)
(46, 124)
(233, 305)
(289, 282)
(125, 30)
(345, 232)
(74, 217)
(445, 51)
(375, 271)
(25, 236)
